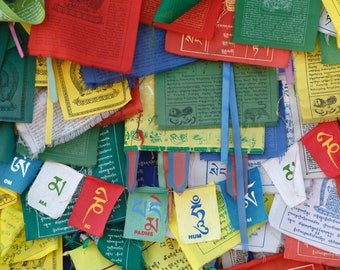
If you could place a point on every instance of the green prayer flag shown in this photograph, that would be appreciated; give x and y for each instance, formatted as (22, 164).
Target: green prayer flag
(285, 24)
(189, 96)
(17, 76)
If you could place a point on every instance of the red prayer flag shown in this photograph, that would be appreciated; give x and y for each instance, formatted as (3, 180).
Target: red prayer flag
(299, 251)
(276, 262)
(94, 205)
(100, 34)
(322, 142)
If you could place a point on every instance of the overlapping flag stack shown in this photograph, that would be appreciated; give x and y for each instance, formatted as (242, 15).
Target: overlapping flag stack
(167, 134)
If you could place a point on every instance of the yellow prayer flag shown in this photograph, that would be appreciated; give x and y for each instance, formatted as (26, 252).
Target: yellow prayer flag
(317, 87)
(83, 257)
(197, 214)
(200, 253)
(77, 101)
(22, 250)
(14, 247)
(52, 261)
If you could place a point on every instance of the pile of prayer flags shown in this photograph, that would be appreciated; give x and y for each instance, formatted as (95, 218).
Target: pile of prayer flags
(167, 134)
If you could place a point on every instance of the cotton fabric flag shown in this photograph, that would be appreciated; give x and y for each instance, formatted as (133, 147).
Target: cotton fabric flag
(322, 144)
(316, 87)
(286, 174)
(197, 214)
(265, 23)
(265, 239)
(17, 74)
(148, 11)
(18, 174)
(146, 214)
(315, 221)
(22, 250)
(41, 225)
(53, 188)
(189, 104)
(106, 42)
(300, 251)
(201, 253)
(94, 205)
(253, 199)
(76, 101)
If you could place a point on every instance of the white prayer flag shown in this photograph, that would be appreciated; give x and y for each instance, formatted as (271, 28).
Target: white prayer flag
(314, 222)
(286, 174)
(53, 188)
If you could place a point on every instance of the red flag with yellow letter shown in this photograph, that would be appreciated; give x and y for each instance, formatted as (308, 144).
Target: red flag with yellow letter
(323, 143)
(94, 205)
